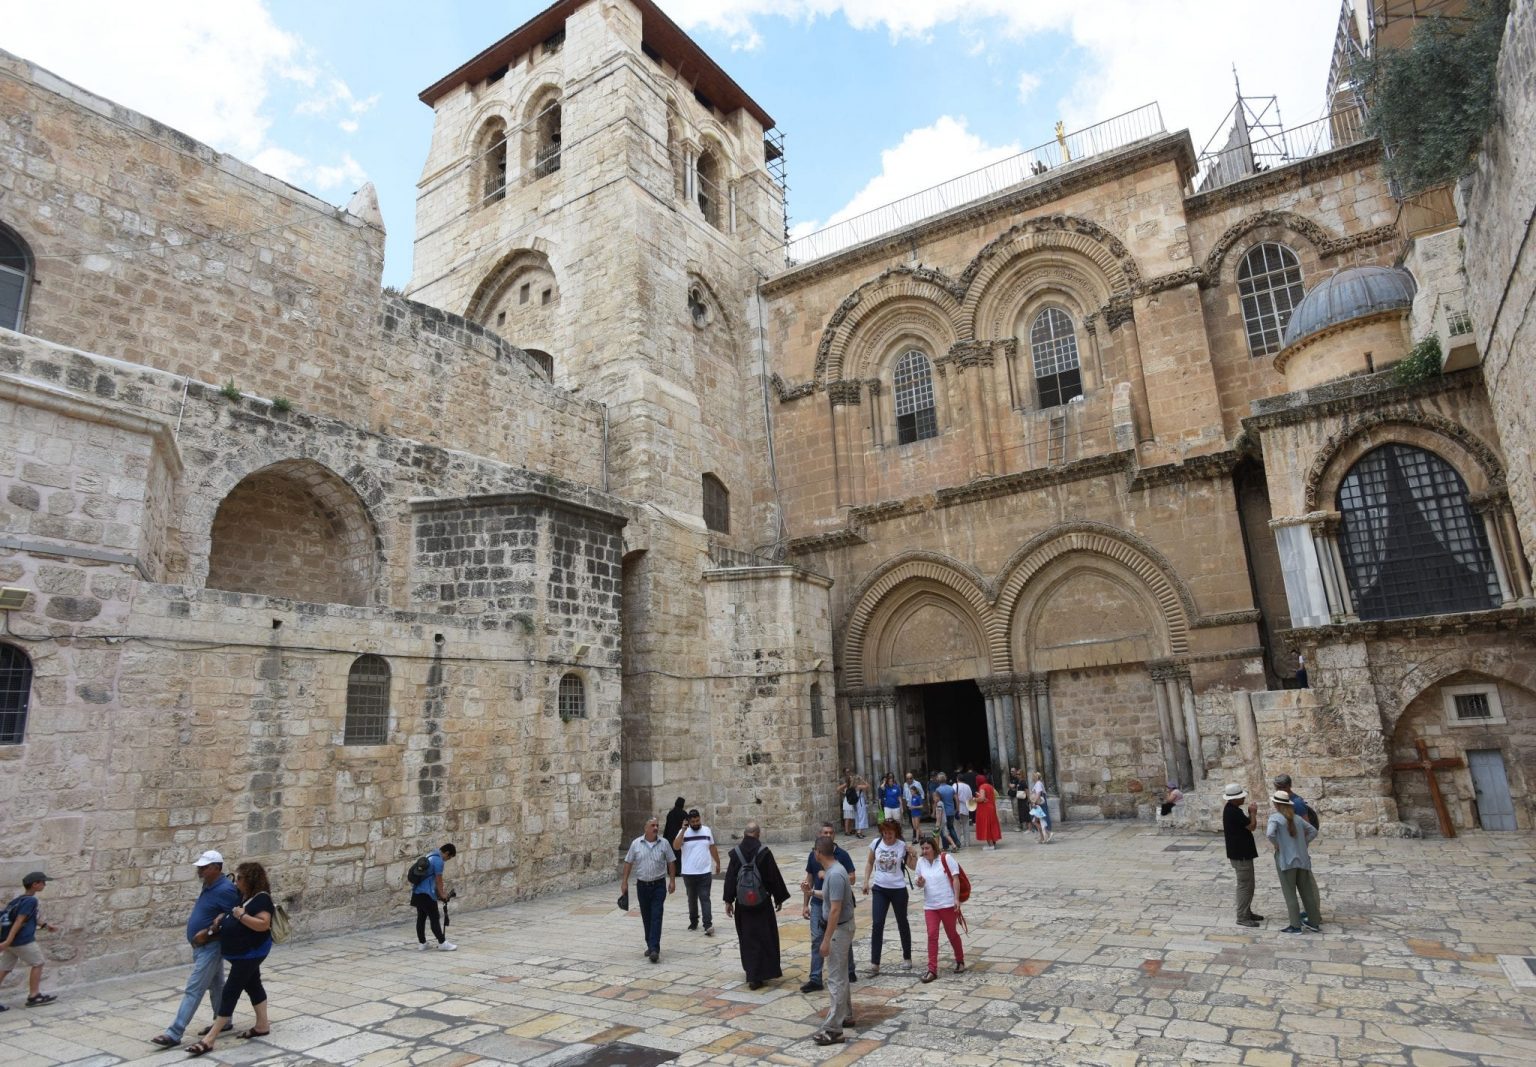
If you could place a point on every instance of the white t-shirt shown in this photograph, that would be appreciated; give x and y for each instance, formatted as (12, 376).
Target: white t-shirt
(889, 860)
(937, 890)
(696, 858)
(962, 798)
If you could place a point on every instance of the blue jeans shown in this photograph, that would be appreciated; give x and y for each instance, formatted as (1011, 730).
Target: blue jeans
(818, 929)
(207, 977)
(652, 897)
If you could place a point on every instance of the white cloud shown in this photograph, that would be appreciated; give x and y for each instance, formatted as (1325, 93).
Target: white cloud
(1028, 83)
(347, 175)
(281, 163)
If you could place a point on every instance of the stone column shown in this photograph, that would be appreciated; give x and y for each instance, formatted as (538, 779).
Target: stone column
(998, 690)
(1518, 571)
(895, 734)
(860, 720)
(1487, 507)
(1185, 686)
(1024, 719)
(1046, 723)
(969, 358)
(845, 439)
(1123, 325)
(1170, 723)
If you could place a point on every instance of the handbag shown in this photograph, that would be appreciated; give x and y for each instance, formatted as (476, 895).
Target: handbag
(281, 927)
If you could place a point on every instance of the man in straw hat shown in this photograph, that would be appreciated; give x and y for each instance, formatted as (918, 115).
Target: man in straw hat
(1238, 825)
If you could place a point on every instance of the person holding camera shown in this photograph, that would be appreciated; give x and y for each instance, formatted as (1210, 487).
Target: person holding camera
(218, 896)
(425, 895)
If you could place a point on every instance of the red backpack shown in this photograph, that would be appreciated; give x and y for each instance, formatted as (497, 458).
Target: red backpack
(965, 882)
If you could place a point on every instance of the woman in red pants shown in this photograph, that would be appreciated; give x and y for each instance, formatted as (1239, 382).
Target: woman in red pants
(938, 876)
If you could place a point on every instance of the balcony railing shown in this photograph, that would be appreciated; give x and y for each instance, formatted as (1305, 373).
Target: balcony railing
(1032, 165)
(1249, 157)
(1453, 324)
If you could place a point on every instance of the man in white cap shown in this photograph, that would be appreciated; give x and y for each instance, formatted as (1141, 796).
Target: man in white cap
(1238, 825)
(218, 896)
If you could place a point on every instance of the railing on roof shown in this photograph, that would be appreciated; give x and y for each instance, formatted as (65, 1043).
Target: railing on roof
(1248, 157)
(1132, 126)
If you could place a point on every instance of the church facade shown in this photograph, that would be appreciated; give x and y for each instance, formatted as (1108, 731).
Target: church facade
(1110, 474)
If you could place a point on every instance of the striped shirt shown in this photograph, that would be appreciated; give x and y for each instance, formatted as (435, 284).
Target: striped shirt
(650, 858)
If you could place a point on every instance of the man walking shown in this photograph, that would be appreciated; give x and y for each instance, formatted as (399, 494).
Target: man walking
(652, 861)
(1237, 826)
(218, 896)
(962, 812)
(836, 944)
(814, 910)
(699, 861)
(425, 894)
(944, 811)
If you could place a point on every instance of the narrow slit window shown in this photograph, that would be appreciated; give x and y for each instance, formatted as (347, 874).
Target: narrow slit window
(717, 505)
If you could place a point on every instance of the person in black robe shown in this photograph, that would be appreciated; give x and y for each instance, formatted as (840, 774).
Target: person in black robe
(675, 819)
(757, 929)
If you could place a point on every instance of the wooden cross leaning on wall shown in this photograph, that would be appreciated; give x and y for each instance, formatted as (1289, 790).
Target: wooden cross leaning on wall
(1430, 767)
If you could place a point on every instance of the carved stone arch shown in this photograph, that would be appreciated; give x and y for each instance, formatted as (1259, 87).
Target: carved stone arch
(1110, 616)
(1077, 283)
(964, 584)
(1477, 463)
(1494, 663)
(914, 286)
(696, 278)
(503, 275)
(921, 632)
(891, 329)
(1221, 267)
(1150, 567)
(1067, 234)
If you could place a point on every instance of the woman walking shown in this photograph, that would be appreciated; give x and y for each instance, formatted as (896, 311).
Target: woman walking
(938, 876)
(1290, 836)
(885, 876)
(245, 938)
(988, 829)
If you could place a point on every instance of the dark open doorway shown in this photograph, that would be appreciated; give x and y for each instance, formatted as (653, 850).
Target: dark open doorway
(954, 725)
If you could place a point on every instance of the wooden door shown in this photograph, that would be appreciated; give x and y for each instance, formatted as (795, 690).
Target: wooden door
(1495, 809)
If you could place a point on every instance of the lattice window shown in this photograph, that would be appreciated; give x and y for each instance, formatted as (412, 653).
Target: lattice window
(1053, 348)
(1411, 542)
(818, 713)
(572, 698)
(916, 418)
(717, 505)
(367, 701)
(15, 276)
(1269, 283)
(15, 694)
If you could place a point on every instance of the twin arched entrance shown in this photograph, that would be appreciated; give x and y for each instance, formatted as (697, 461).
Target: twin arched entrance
(1065, 663)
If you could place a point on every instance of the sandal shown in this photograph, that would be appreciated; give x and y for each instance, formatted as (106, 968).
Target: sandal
(246, 1035)
(960, 968)
(202, 1048)
(928, 976)
(40, 999)
(821, 1037)
(164, 1041)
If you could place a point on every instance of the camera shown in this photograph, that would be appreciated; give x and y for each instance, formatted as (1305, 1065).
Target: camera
(451, 894)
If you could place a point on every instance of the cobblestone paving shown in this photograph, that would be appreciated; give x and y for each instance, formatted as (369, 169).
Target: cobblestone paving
(1111, 945)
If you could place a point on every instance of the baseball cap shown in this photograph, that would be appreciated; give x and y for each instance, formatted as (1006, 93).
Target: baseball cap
(209, 858)
(693, 813)
(33, 878)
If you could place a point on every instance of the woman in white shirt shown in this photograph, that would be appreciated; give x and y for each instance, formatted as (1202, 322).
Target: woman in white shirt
(885, 875)
(938, 876)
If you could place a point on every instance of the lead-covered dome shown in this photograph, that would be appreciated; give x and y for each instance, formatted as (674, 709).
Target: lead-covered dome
(1352, 293)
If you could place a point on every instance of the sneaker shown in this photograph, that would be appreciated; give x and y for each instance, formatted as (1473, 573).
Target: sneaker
(812, 987)
(447, 946)
(906, 965)
(40, 999)
(1311, 928)
(1291, 930)
(1255, 918)
(1248, 922)
(693, 926)
(653, 956)
(709, 931)
(423, 946)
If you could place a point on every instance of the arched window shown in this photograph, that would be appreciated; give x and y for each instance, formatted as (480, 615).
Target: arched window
(367, 701)
(707, 174)
(546, 152)
(818, 713)
(1269, 282)
(491, 150)
(572, 698)
(717, 505)
(15, 694)
(913, 386)
(15, 276)
(1410, 540)
(1053, 348)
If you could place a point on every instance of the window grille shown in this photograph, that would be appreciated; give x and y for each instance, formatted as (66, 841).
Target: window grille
(546, 156)
(15, 273)
(367, 701)
(15, 694)
(916, 419)
(572, 698)
(1472, 706)
(717, 505)
(708, 182)
(1053, 348)
(1269, 283)
(818, 713)
(495, 187)
(1410, 541)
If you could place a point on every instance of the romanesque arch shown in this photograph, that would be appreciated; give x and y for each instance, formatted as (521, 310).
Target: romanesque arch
(1083, 256)
(926, 295)
(1476, 462)
(508, 272)
(1220, 266)
(885, 603)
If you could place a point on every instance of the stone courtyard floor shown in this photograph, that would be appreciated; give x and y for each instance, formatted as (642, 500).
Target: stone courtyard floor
(1111, 945)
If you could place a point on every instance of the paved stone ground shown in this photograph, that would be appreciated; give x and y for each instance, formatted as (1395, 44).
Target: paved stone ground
(1112, 945)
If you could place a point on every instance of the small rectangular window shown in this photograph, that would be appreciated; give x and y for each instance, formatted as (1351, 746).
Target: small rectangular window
(546, 296)
(522, 293)
(501, 318)
(1057, 389)
(1472, 705)
(554, 42)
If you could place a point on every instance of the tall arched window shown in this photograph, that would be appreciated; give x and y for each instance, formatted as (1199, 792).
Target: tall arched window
(546, 152)
(1053, 349)
(15, 275)
(1410, 540)
(572, 698)
(491, 164)
(708, 181)
(367, 701)
(717, 505)
(15, 694)
(1269, 282)
(913, 386)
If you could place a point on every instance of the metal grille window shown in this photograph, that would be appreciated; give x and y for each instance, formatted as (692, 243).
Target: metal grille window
(367, 701)
(572, 698)
(546, 159)
(818, 713)
(717, 505)
(1269, 283)
(15, 273)
(15, 694)
(1410, 541)
(1053, 348)
(1471, 706)
(913, 386)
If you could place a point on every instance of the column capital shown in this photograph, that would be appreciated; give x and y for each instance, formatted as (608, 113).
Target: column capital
(1490, 503)
(1164, 671)
(844, 392)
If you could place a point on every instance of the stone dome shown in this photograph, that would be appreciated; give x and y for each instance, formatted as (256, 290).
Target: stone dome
(1350, 294)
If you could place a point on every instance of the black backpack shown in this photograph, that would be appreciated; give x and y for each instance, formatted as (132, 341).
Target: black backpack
(420, 871)
(9, 916)
(750, 893)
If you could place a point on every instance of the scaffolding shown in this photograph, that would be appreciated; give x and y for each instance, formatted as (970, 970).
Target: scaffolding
(773, 154)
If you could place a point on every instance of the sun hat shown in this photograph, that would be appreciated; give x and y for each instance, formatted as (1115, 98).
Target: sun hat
(1282, 797)
(1233, 791)
(208, 859)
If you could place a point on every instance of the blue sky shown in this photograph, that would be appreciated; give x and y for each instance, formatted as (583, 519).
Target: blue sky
(877, 98)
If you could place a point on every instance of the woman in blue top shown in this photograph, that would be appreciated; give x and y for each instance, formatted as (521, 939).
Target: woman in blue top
(245, 938)
(1290, 837)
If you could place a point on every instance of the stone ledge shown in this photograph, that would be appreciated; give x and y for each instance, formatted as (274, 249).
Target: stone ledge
(1497, 620)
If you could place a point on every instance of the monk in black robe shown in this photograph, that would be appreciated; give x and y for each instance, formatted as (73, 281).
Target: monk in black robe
(757, 929)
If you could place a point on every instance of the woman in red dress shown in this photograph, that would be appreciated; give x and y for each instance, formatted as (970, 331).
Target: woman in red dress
(988, 829)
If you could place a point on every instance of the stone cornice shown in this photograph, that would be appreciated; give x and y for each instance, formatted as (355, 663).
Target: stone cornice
(844, 538)
(45, 396)
(1195, 468)
(1499, 620)
(1227, 618)
(1347, 395)
(530, 498)
(1024, 481)
(1290, 176)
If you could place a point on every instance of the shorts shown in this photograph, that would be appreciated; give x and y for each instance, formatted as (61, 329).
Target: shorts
(894, 814)
(30, 954)
(847, 810)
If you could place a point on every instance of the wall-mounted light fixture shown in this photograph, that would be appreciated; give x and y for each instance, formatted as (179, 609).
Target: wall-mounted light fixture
(580, 651)
(13, 597)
